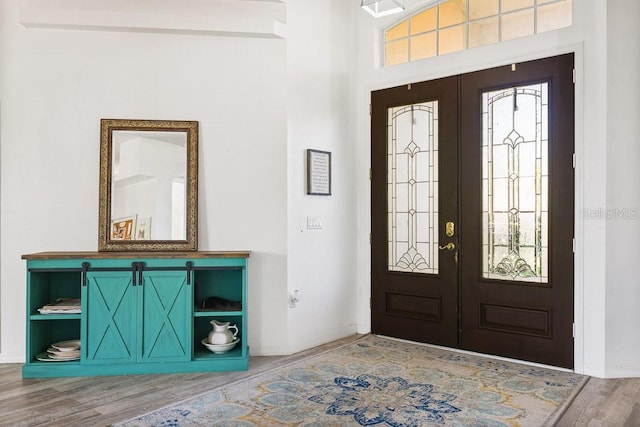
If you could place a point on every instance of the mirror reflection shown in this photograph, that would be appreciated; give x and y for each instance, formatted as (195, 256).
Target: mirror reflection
(148, 185)
(149, 170)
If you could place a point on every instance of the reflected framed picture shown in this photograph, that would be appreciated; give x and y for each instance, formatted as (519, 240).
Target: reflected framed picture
(143, 228)
(318, 172)
(123, 228)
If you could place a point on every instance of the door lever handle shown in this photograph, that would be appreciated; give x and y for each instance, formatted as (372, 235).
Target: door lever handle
(449, 246)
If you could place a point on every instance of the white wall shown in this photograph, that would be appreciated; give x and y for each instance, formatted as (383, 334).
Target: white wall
(591, 177)
(623, 189)
(321, 262)
(56, 85)
(606, 175)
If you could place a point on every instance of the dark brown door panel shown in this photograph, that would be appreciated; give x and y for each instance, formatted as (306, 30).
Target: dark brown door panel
(472, 211)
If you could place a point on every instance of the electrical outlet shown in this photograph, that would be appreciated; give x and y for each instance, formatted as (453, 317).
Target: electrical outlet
(294, 298)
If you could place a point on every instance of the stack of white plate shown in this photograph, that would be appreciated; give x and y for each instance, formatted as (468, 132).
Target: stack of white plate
(61, 352)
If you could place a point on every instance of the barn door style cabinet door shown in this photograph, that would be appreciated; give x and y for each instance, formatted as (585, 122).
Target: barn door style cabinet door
(135, 313)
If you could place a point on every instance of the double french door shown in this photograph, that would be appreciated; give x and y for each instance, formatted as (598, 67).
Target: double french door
(472, 211)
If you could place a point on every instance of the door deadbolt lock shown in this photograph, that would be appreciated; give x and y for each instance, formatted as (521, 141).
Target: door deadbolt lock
(450, 229)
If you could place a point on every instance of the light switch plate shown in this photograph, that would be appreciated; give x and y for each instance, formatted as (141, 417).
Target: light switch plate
(314, 222)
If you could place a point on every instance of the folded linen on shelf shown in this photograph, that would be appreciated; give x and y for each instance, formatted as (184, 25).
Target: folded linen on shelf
(61, 305)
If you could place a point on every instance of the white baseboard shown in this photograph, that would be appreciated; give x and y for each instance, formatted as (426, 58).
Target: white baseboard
(11, 358)
(622, 371)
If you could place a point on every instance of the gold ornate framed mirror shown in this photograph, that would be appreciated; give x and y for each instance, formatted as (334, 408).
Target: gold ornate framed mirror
(148, 185)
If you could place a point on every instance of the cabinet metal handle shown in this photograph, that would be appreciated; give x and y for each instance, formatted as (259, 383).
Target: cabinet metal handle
(140, 277)
(85, 267)
(189, 270)
(134, 268)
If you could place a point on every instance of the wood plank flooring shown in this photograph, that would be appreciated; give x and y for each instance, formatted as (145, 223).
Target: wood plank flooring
(605, 403)
(101, 401)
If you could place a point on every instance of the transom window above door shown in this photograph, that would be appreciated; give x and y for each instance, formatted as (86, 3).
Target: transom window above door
(457, 25)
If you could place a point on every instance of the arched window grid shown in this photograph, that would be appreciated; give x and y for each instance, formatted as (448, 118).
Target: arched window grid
(464, 24)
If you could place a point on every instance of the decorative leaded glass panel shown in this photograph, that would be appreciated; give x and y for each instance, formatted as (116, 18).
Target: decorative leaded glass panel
(412, 187)
(515, 183)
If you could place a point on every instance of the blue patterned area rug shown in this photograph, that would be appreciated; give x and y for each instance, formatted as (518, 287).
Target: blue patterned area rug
(377, 381)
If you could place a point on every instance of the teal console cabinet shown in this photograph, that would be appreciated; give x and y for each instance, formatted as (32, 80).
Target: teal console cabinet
(140, 313)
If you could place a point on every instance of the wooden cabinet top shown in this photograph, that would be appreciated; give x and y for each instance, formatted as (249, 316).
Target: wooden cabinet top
(115, 255)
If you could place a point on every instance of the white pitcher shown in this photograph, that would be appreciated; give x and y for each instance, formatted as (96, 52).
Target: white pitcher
(221, 333)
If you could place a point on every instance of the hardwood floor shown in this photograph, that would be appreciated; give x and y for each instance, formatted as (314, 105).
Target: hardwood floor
(101, 401)
(606, 403)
